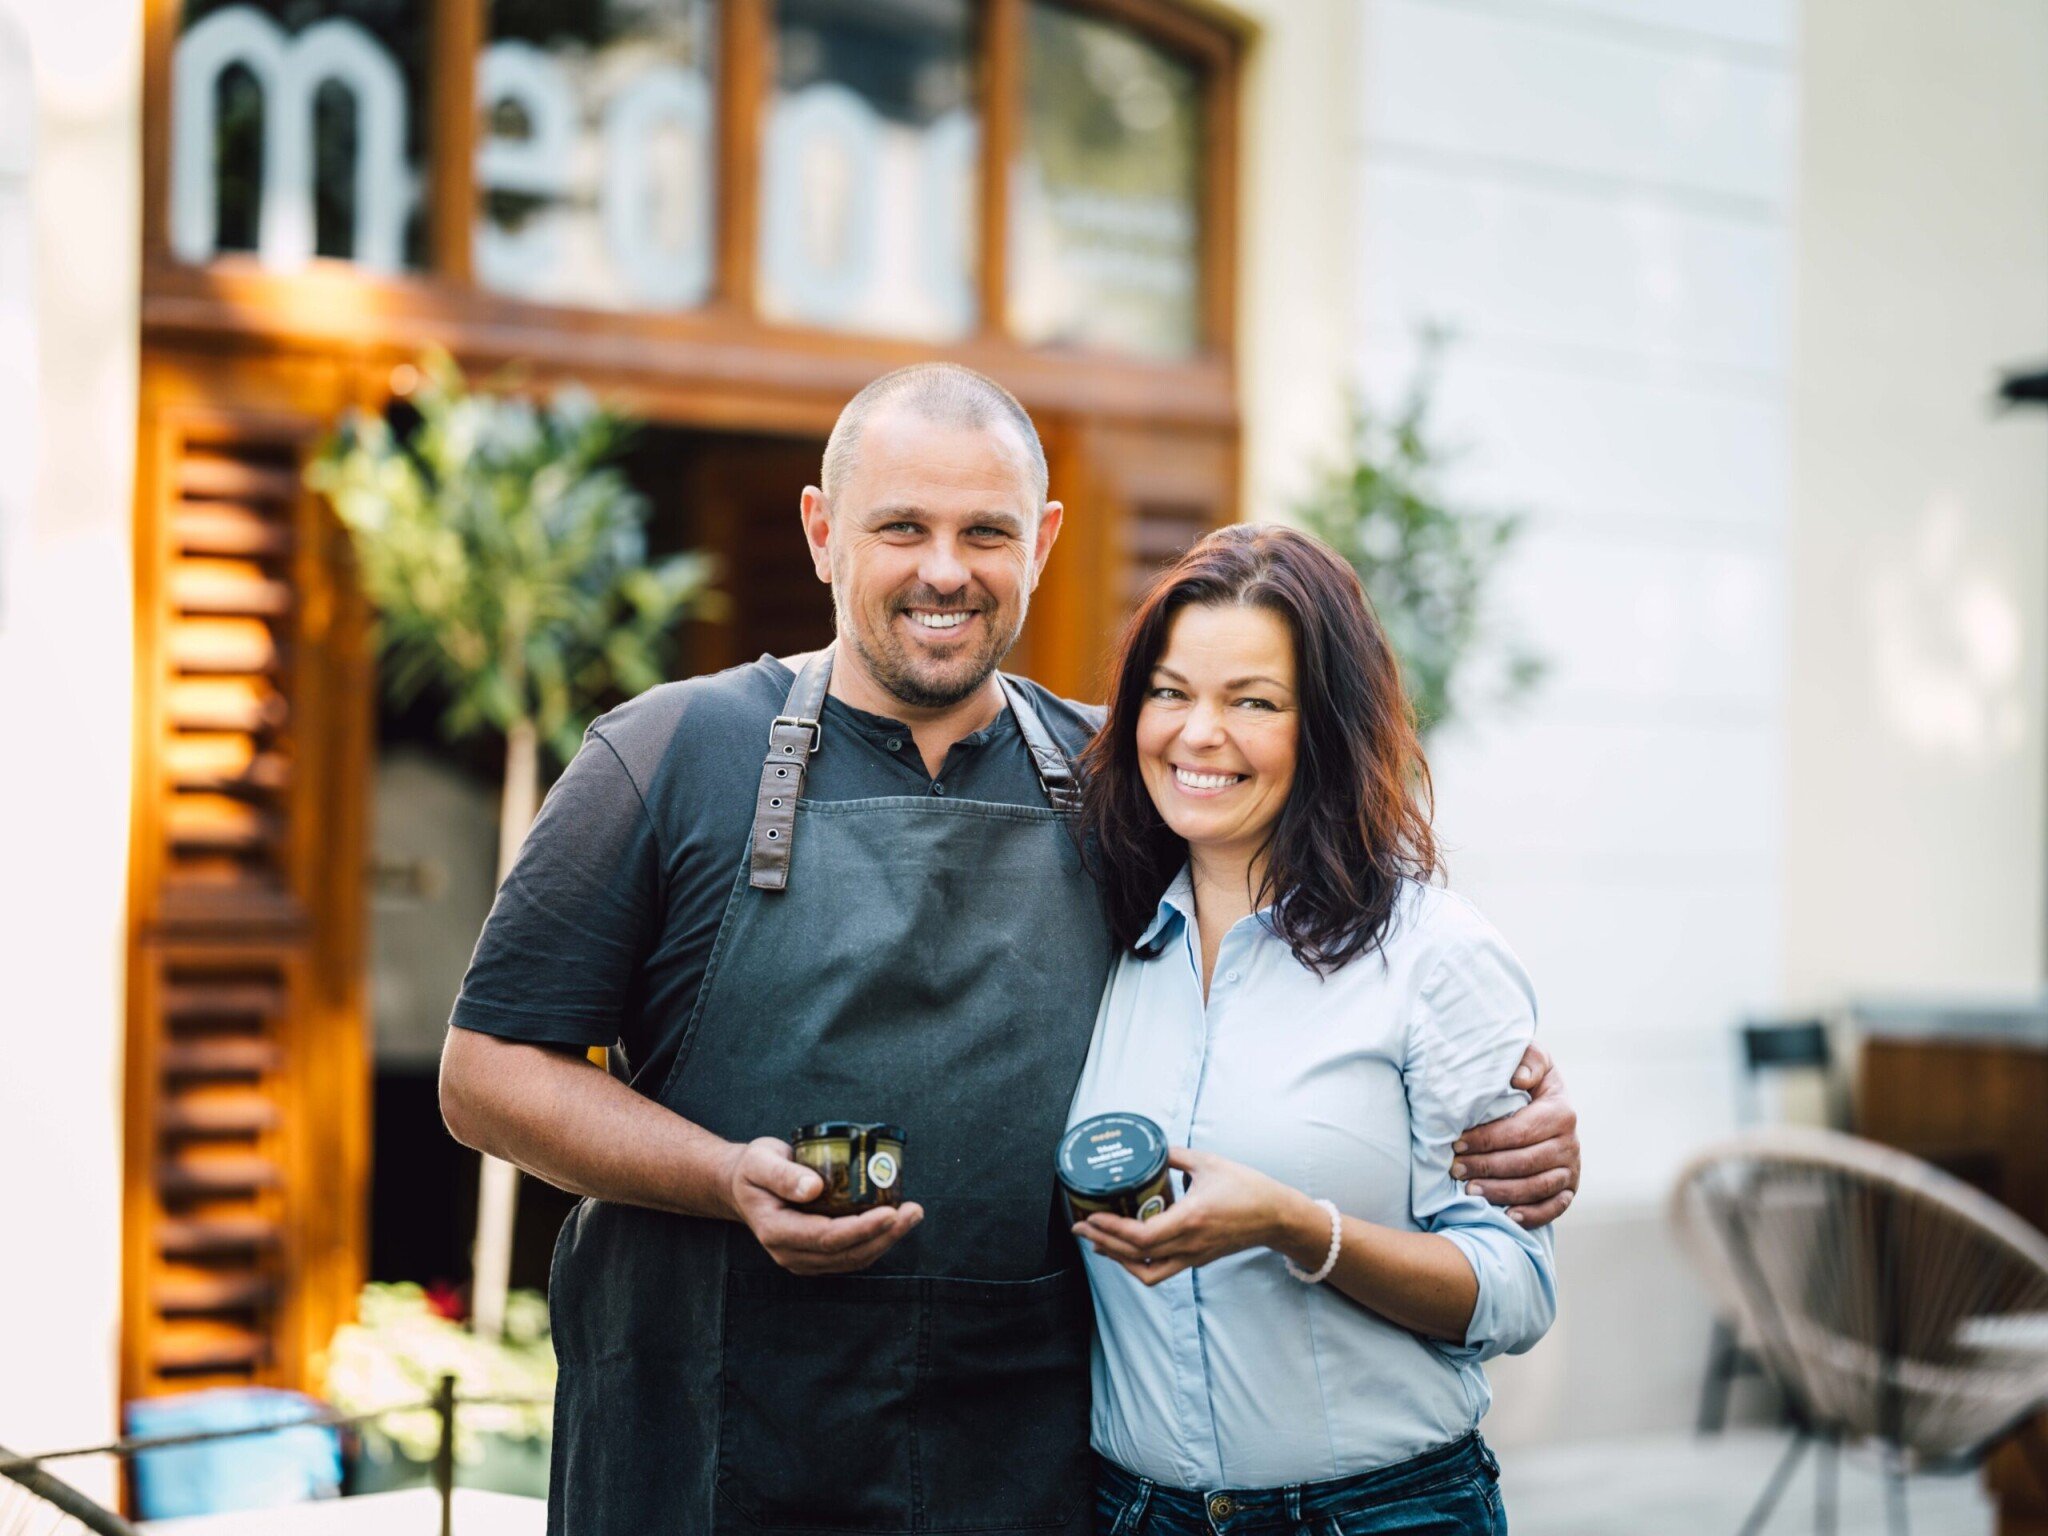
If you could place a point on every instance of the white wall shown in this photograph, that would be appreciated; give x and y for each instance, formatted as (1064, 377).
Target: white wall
(1914, 853)
(1296, 237)
(1597, 198)
(17, 299)
(1601, 209)
(67, 437)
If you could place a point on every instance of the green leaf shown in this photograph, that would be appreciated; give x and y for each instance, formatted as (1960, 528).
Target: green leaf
(506, 553)
(1429, 565)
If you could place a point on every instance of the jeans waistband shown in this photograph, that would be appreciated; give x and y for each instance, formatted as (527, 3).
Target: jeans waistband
(1247, 1510)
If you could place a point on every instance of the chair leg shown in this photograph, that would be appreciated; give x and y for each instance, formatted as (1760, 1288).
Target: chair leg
(1723, 1361)
(1775, 1488)
(1894, 1493)
(1826, 1483)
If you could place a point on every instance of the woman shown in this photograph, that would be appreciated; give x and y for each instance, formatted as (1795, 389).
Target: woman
(1295, 1344)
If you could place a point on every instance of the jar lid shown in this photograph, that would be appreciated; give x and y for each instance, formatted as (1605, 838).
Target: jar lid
(1107, 1153)
(826, 1130)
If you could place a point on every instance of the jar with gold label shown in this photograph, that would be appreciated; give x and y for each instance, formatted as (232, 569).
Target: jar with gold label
(861, 1164)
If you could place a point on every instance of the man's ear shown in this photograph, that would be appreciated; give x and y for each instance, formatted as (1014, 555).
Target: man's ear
(817, 518)
(1048, 534)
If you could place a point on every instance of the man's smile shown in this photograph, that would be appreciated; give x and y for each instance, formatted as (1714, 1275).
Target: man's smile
(940, 621)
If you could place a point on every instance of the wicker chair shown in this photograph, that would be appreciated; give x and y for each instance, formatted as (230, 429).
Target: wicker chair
(35, 1501)
(1887, 1300)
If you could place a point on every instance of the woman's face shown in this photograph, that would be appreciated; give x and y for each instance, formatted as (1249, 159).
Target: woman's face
(1218, 730)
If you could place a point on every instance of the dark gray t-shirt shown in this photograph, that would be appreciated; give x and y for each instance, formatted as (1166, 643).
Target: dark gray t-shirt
(603, 929)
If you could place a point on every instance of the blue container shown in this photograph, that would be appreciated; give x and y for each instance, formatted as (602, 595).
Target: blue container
(286, 1466)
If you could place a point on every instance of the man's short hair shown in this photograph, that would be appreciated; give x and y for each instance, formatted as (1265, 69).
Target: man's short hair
(941, 392)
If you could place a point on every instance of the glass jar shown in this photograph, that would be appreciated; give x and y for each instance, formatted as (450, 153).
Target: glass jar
(861, 1164)
(1114, 1163)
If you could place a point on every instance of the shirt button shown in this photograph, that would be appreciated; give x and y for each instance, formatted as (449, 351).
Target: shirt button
(895, 743)
(1222, 1507)
(938, 789)
(1230, 975)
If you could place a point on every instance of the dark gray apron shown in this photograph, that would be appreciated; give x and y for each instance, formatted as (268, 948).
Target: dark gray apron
(929, 962)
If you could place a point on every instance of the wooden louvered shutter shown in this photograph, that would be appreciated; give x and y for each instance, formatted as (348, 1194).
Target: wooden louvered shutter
(1135, 499)
(247, 1097)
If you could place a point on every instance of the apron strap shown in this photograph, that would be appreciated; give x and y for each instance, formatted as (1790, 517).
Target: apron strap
(1055, 774)
(794, 736)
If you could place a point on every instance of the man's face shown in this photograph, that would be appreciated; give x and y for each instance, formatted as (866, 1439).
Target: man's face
(932, 548)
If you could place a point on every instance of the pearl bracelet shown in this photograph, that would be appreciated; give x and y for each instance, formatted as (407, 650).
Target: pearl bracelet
(1330, 1261)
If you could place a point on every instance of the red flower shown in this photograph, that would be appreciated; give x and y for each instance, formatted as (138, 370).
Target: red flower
(447, 1299)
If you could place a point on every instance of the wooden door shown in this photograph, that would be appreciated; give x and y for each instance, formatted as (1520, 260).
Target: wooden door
(247, 1096)
(1135, 499)
(736, 495)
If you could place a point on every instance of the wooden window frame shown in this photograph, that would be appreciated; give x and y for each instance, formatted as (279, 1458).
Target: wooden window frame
(722, 363)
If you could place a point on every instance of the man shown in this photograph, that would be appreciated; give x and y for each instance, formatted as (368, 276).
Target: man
(885, 919)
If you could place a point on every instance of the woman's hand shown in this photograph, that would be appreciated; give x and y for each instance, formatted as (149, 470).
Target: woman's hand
(1227, 1208)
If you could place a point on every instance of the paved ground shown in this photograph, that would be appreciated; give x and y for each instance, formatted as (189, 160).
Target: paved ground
(415, 1512)
(1668, 1485)
(1678, 1485)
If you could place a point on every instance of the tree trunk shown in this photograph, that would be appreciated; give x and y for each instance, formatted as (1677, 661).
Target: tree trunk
(498, 1187)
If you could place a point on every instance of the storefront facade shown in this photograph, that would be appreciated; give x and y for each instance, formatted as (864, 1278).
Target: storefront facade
(1615, 207)
(723, 216)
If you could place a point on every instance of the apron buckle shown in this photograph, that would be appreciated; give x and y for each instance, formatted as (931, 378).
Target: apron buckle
(817, 731)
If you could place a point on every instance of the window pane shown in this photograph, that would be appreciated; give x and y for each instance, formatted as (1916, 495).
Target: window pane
(597, 152)
(1104, 201)
(869, 167)
(247, 81)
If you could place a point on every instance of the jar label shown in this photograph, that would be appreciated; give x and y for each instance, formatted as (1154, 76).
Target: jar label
(881, 1169)
(1151, 1207)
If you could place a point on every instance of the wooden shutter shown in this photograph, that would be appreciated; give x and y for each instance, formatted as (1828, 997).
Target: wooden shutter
(1135, 499)
(247, 1099)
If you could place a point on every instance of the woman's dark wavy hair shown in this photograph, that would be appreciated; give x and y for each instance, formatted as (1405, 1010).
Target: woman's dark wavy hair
(1357, 819)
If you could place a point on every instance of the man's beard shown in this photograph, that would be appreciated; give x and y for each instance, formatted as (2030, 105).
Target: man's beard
(892, 664)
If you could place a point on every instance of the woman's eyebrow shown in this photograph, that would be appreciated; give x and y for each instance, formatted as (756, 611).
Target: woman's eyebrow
(1236, 682)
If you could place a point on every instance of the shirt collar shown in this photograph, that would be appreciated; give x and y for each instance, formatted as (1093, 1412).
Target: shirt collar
(880, 727)
(1178, 901)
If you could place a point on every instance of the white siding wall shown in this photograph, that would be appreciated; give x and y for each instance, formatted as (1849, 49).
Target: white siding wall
(1596, 197)
(1599, 207)
(68, 243)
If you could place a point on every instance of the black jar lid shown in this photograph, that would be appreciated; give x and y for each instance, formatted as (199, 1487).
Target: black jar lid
(1108, 1153)
(826, 1130)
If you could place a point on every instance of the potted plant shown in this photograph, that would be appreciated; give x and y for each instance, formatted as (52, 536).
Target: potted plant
(506, 555)
(398, 1350)
(1428, 564)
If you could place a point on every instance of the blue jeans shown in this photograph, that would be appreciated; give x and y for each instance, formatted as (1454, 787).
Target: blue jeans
(1453, 1490)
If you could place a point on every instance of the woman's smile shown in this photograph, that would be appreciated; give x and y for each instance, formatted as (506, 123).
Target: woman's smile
(1205, 781)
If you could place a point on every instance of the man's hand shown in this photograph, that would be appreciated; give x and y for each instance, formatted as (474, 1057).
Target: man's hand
(1527, 1161)
(766, 1185)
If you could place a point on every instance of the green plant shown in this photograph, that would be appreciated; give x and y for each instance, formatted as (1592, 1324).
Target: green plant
(399, 1349)
(1427, 564)
(506, 555)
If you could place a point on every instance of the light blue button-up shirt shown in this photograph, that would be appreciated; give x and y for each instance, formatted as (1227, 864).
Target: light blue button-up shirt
(1351, 1088)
